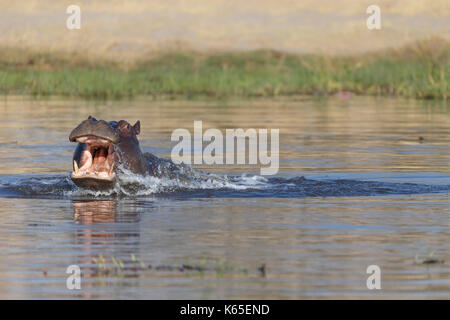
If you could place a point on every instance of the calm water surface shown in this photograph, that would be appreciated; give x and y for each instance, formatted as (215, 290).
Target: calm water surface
(362, 181)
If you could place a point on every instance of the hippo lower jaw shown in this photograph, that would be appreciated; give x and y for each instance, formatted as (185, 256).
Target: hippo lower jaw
(95, 169)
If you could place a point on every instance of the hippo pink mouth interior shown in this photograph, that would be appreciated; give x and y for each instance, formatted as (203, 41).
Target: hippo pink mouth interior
(97, 159)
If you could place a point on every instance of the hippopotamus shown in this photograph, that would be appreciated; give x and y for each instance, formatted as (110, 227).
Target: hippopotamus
(104, 148)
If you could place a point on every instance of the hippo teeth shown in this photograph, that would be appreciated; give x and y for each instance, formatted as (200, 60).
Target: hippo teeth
(75, 165)
(111, 169)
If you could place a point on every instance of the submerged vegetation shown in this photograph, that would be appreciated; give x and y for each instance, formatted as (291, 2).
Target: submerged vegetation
(134, 267)
(420, 70)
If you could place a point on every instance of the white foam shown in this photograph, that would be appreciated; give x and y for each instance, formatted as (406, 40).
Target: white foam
(131, 184)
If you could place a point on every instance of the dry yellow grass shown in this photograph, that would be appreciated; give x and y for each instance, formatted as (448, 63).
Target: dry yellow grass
(401, 7)
(129, 29)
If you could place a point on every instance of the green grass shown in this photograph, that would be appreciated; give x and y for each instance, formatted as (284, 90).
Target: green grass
(420, 71)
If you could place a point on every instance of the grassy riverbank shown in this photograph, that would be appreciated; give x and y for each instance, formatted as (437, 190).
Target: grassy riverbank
(420, 70)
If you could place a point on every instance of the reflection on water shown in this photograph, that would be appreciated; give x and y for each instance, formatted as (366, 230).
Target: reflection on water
(99, 219)
(312, 246)
(94, 211)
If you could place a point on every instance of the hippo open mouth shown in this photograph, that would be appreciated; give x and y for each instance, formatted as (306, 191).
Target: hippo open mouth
(94, 159)
(97, 159)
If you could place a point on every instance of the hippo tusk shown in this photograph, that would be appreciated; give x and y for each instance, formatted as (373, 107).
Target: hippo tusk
(111, 169)
(75, 165)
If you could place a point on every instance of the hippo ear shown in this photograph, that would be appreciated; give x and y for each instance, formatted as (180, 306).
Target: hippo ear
(137, 127)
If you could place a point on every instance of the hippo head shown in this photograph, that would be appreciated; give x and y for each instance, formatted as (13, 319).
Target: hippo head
(102, 148)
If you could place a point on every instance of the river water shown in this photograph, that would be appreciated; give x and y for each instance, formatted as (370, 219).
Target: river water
(362, 181)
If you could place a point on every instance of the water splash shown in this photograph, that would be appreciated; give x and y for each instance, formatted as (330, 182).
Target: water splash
(172, 180)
